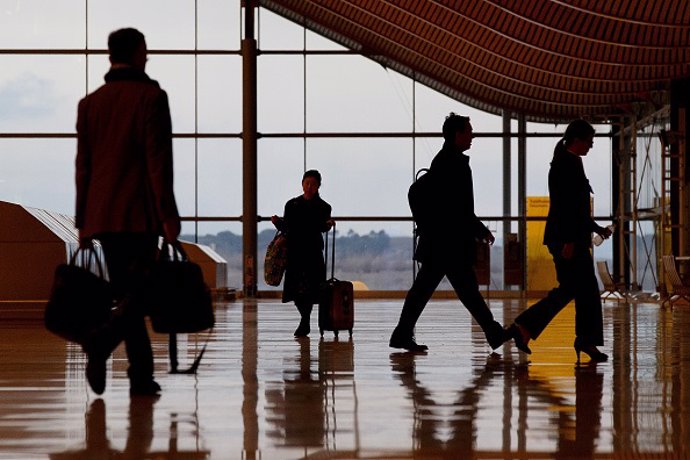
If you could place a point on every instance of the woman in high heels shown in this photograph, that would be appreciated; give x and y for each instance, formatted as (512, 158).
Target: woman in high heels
(568, 235)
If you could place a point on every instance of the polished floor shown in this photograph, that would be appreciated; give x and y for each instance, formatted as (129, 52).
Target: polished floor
(262, 394)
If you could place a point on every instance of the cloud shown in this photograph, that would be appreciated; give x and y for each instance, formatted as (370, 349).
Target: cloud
(27, 96)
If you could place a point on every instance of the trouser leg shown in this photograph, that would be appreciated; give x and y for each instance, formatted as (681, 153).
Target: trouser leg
(464, 281)
(538, 316)
(428, 279)
(129, 258)
(589, 323)
(304, 309)
(139, 352)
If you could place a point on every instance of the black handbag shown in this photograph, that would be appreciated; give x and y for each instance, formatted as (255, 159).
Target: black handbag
(180, 300)
(80, 300)
(276, 259)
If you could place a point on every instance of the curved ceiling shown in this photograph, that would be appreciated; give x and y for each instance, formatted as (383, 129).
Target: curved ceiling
(551, 60)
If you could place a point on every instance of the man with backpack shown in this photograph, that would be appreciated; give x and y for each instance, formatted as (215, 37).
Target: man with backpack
(442, 204)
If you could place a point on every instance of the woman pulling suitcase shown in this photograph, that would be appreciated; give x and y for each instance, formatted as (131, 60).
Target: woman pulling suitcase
(304, 220)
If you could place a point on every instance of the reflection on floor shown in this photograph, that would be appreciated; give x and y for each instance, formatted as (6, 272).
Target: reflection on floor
(260, 393)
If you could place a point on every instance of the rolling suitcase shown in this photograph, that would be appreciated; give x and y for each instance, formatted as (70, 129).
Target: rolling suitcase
(336, 302)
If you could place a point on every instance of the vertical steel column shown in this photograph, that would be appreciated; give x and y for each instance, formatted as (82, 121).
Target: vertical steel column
(249, 167)
(683, 189)
(631, 215)
(624, 261)
(414, 171)
(507, 224)
(522, 194)
(507, 208)
(680, 167)
(618, 194)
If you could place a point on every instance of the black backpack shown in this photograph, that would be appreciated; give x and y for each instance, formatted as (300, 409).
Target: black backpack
(421, 197)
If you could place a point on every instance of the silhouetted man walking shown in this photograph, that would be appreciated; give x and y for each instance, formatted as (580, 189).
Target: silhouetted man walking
(124, 178)
(448, 230)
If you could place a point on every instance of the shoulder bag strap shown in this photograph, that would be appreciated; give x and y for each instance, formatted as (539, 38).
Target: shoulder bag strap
(87, 256)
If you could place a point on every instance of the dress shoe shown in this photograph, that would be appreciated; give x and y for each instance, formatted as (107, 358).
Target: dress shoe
(520, 342)
(406, 342)
(95, 372)
(146, 388)
(496, 335)
(303, 329)
(590, 350)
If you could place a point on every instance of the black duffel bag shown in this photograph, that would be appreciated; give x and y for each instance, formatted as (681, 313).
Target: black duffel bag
(179, 301)
(81, 300)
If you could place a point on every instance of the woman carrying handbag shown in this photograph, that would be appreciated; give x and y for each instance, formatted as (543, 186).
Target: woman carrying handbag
(305, 218)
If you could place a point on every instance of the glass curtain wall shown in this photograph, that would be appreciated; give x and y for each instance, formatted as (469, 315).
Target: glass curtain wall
(320, 106)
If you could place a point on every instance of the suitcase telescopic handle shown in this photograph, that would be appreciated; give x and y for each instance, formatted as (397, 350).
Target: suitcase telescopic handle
(332, 253)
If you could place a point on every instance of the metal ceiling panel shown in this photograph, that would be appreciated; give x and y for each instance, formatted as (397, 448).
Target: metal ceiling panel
(548, 59)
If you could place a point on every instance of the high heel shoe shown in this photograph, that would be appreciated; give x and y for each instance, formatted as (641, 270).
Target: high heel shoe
(515, 332)
(590, 350)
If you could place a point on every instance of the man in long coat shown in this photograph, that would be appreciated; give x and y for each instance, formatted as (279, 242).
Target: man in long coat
(124, 180)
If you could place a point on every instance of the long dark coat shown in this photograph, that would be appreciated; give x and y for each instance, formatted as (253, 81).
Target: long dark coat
(124, 163)
(570, 210)
(453, 228)
(303, 222)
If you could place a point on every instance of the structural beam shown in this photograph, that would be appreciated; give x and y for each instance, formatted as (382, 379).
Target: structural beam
(249, 157)
(522, 194)
(507, 208)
